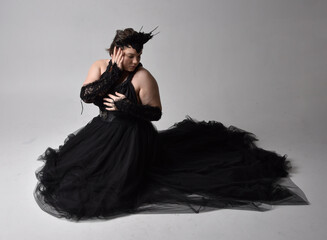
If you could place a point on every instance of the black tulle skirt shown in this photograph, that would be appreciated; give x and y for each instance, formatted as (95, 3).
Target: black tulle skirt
(123, 165)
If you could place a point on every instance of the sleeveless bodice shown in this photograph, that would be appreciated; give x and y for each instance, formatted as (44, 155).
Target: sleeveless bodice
(125, 87)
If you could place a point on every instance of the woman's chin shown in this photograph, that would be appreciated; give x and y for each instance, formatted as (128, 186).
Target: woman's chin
(130, 69)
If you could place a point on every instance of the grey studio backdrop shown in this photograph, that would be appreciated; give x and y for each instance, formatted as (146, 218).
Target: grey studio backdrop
(257, 65)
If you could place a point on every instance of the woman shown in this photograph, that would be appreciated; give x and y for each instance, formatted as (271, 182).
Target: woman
(120, 164)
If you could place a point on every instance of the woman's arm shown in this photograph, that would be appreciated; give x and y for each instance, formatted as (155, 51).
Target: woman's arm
(99, 88)
(150, 107)
(94, 72)
(96, 84)
(149, 90)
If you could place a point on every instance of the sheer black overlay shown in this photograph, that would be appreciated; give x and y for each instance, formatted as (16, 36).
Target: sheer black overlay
(120, 164)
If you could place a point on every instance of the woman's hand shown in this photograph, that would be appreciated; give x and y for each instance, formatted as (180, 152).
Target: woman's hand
(110, 102)
(117, 57)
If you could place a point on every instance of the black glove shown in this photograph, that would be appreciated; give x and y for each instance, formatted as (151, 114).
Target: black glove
(146, 112)
(99, 88)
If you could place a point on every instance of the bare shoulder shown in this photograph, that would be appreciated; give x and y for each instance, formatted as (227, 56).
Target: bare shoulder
(102, 63)
(95, 71)
(99, 62)
(147, 88)
(99, 65)
(143, 76)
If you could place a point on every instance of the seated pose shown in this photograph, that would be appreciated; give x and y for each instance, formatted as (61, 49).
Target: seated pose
(119, 163)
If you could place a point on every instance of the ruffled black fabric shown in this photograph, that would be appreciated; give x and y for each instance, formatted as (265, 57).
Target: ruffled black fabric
(98, 171)
(119, 164)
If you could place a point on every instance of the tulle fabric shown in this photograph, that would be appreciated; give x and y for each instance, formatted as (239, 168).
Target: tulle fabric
(125, 166)
(118, 165)
(98, 170)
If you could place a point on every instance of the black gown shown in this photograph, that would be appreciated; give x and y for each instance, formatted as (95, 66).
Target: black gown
(120, 164)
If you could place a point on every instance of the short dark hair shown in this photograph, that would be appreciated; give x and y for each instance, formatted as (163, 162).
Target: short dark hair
(130, 38)
(121, 35)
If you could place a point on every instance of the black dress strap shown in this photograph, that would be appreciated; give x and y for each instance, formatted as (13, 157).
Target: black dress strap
(131, 75)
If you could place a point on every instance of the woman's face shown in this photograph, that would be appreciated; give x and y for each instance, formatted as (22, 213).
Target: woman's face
(131, 58)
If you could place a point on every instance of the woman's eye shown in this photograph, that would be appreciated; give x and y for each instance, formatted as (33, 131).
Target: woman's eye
(138, 57)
